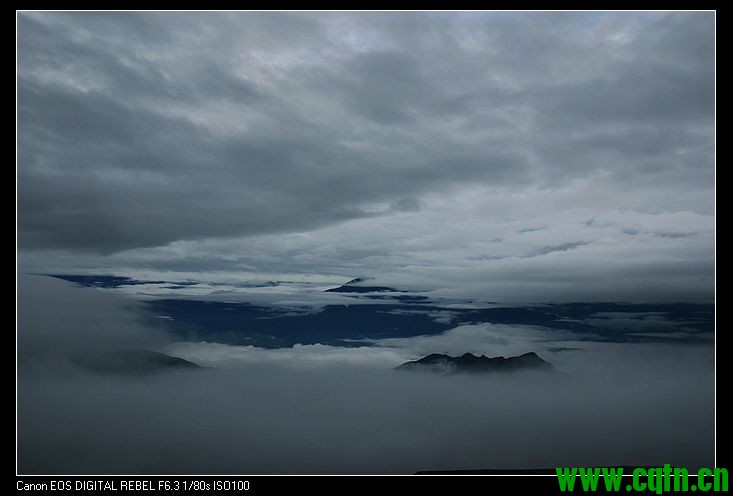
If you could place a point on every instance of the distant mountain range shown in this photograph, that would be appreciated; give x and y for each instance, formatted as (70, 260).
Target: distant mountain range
(353, 287)
(366, 311)
(470, 363)
(131, 362)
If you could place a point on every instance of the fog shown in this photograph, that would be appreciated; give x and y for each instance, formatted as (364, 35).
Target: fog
(322, 410)
(58, 318)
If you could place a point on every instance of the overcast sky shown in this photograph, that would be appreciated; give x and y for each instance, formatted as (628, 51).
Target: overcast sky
(509, 156)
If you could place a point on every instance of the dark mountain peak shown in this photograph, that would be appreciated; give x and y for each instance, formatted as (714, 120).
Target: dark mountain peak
(353, 287)
(530, 358)
(131, 362)
(470, 363)
(433, 357)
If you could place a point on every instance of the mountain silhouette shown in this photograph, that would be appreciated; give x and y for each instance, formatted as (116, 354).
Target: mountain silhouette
(470, 363)
(131, 362)
(352, 287)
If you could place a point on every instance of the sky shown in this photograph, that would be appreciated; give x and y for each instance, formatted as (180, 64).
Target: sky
(493, 168)
(509, 156)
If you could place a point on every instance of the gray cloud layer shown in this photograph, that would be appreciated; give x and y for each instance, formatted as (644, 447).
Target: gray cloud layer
(191, 139)
(320, 409)
(142, 129)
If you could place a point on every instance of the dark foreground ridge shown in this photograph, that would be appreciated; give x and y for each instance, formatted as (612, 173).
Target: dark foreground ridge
(489, 471)
(470, 363)
(517, 471)
(131, 362)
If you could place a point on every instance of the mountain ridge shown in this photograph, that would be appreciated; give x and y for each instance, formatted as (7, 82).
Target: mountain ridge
(131, 362)
(353, 287)
(470, 363)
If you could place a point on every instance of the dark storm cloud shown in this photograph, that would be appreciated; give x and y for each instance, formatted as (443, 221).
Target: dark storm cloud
(138, 130)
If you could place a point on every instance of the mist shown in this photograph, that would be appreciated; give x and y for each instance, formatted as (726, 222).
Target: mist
(58, 319)
(301, 411)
